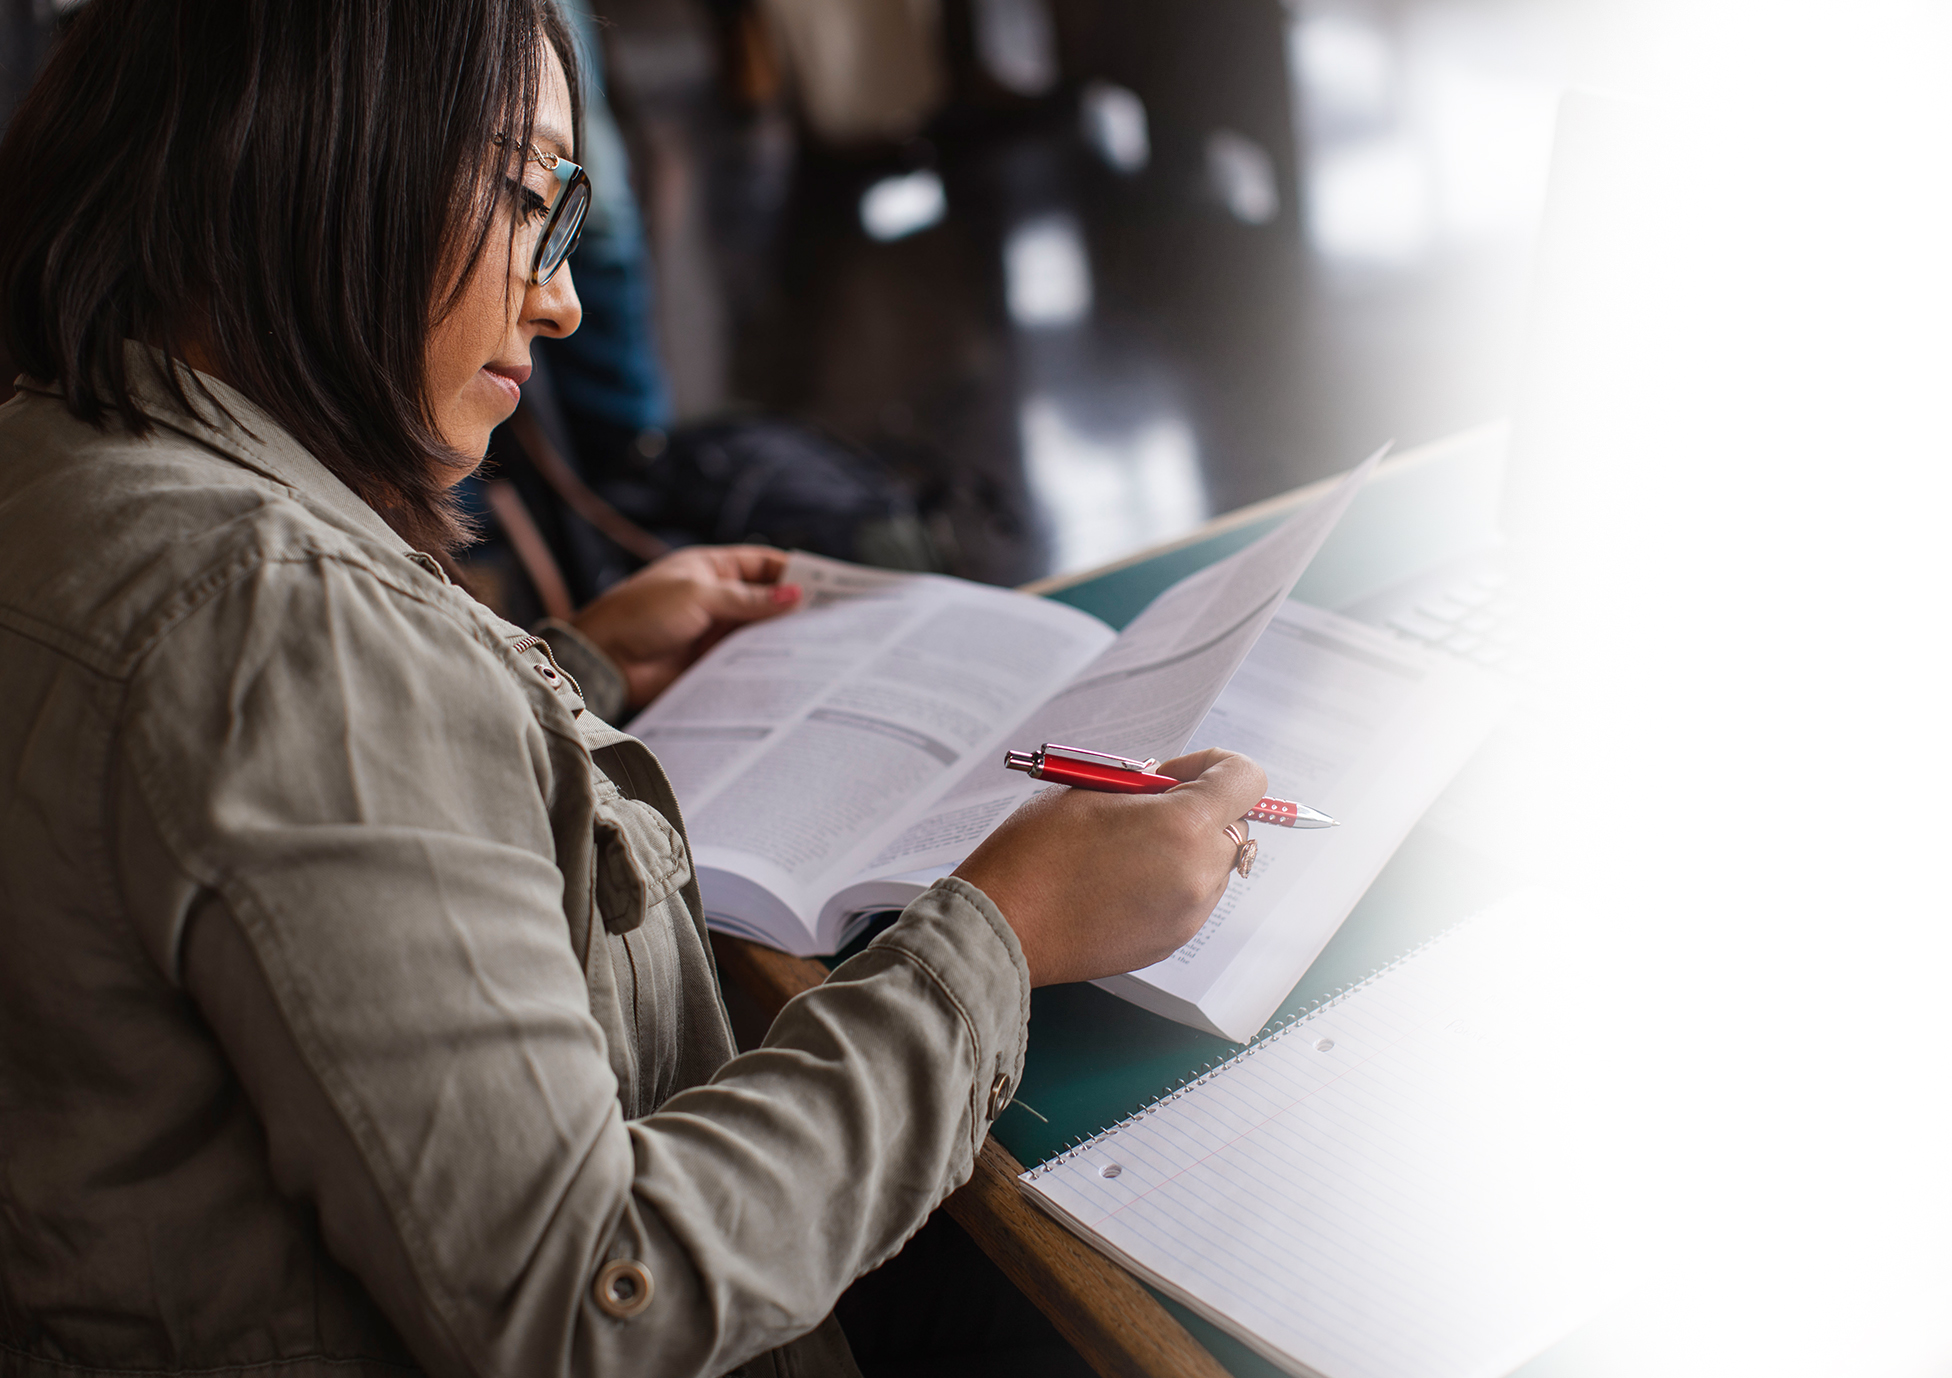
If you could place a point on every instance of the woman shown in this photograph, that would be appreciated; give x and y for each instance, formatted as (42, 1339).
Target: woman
(356, 1008)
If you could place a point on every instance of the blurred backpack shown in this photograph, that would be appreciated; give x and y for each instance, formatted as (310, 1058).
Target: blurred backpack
(560, 530)
(758, 478)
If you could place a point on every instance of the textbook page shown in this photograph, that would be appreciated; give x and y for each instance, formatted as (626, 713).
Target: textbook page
(1147, 691)
(1346, 719)
(1425, 1178)
(801, 743)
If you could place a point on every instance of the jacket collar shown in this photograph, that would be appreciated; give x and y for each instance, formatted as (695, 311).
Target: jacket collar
(250, 437)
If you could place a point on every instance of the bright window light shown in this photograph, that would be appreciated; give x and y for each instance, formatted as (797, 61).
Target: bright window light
(1242, 177)
(1108, 495)
(1346, 69)
(1046, 273)
(1115, 126)
(1370, 201)
(1017, 44)
(896, 207)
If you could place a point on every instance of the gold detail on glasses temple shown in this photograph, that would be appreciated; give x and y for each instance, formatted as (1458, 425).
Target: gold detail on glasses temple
(536, 155)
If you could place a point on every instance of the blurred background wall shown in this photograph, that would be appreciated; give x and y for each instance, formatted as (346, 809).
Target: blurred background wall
(1090, 271)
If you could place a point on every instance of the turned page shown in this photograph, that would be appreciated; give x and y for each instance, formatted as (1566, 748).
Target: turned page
(799, 742)
(1347, 719)
(1148, 690)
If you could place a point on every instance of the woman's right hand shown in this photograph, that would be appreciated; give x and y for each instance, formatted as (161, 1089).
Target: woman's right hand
(1097, 884)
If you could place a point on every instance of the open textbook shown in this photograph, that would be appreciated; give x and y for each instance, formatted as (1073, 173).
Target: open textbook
(835, 762)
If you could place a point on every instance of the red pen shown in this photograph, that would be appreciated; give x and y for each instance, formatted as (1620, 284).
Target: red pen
(1108, 774)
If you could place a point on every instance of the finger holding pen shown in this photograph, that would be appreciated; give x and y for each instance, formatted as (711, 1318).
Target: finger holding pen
(1095, 884)
(1112, 774)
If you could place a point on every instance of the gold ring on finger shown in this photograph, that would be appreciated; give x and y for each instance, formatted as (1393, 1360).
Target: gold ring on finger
(1245, 848)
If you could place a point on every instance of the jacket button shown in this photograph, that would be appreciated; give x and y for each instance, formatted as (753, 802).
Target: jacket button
(624, 1288)
(999, 1095)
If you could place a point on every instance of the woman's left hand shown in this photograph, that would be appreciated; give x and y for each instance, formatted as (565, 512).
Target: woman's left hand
(661, 619)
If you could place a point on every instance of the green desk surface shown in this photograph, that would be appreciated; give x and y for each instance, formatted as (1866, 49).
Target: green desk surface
(1122, 594)
(1093, 1058)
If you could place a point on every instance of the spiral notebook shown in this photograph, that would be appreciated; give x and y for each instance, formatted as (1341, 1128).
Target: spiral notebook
(1410, 1179)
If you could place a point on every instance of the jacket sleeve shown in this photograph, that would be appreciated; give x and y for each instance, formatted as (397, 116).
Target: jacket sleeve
(336, 836)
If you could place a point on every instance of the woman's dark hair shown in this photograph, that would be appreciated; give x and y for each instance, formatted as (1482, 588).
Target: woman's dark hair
(279, 184)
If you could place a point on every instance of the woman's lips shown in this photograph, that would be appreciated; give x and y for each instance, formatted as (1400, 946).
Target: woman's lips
(507, 380)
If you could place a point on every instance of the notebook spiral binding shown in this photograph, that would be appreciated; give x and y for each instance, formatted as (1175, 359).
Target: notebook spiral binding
(1075, 1146)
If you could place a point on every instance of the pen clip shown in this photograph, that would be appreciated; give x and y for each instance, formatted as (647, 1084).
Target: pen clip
(1097, 758)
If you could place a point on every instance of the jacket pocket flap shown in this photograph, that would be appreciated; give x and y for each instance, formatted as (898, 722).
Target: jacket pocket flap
(640, 862)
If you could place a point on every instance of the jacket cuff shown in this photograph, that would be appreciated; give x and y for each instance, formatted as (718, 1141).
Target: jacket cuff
(954, 932)
(605, 690)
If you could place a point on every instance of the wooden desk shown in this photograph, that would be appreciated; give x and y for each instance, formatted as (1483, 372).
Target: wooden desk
(1421, 507)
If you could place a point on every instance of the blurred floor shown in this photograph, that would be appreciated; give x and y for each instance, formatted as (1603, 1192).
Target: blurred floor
(1313, 238)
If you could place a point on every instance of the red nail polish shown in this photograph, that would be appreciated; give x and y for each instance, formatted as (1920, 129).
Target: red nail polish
(786, 593)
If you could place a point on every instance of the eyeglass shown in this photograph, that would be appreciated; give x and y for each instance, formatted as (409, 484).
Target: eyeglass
(566, 210)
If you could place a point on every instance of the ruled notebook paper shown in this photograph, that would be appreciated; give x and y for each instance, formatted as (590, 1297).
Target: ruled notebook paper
(1409, 1181)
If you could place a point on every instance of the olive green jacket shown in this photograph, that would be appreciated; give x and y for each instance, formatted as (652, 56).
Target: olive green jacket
(355, 1005)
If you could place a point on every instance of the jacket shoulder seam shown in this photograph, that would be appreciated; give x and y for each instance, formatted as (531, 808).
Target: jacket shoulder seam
(214, 582)
(59, 640)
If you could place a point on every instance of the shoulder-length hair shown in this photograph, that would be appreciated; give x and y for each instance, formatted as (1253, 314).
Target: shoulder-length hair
(295, 188)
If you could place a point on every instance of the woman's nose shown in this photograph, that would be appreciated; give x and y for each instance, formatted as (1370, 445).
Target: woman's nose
(554, 308)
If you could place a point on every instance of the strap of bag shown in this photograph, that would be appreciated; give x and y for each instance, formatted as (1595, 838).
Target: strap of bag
(577, 495)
